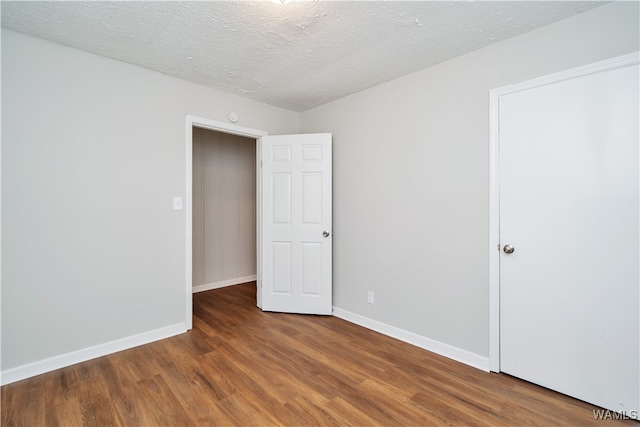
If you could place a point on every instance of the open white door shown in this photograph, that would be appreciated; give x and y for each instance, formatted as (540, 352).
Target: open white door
(296, 224)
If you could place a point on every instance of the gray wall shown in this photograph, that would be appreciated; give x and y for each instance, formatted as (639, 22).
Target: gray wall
(411, 168)
(224, 209)
(93, 151)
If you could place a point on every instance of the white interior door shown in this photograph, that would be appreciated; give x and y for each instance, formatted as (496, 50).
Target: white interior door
(569, 197)
(297, 224)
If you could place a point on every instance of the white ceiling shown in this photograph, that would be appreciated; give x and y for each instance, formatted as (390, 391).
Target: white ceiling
(295, 55)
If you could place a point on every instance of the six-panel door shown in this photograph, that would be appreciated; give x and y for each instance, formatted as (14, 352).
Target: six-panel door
(297, 224)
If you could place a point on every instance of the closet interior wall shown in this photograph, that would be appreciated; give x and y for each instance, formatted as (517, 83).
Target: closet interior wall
(224, 209)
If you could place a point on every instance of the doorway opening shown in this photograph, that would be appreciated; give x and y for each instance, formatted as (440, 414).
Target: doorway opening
(223, 210)
(215, 136)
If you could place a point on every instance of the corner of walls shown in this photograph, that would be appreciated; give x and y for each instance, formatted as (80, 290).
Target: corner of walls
(411, 182)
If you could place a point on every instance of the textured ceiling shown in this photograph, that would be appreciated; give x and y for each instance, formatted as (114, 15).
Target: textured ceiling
(295, 55)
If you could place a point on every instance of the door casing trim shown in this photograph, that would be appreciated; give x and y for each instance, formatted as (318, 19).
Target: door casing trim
(494, 180)
(232, 129)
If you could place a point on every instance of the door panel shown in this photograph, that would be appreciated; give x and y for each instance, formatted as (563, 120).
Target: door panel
(569, 204)
(296, 261)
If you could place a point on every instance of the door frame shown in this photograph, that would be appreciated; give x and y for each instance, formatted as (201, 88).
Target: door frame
(494, 181)
(203, 123)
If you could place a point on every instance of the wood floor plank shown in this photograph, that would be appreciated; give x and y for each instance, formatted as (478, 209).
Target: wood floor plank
(241, 366)
(394, 401)
(315, 415)
(122, 387)
(162, 403)
(67, 413)
(96, 405)
(240, 412)
(24, 408)
(447, 409)
(351, 415)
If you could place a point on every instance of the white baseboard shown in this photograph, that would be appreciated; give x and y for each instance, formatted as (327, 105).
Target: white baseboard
(446, 350)
(224, 283)
(64, 360)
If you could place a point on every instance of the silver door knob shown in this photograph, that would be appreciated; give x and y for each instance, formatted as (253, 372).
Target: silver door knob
(508, 249)
(325, 234)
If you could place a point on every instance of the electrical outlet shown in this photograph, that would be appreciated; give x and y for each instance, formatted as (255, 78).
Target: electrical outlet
(370, 297)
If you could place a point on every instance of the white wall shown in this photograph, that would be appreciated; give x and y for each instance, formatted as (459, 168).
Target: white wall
(93, 153)
(224, 209)
(411, 177)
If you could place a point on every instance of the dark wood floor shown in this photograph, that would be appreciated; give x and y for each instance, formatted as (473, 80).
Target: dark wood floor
(240, 366)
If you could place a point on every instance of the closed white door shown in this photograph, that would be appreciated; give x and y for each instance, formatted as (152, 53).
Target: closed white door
(569, 197)
(296, 224)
